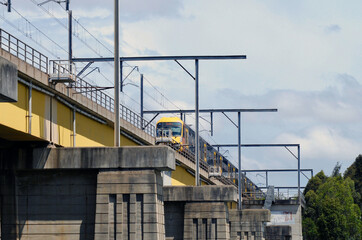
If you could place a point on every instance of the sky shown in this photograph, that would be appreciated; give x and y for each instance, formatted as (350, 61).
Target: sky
(302, 58)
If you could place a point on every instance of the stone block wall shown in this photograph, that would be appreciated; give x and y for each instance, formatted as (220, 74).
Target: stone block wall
(206, 221)
(129, 205)
(50, 205)
(198, 212)
(248, 224)
(84, 193)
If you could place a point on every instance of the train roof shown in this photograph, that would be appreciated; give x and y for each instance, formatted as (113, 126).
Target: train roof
(170, 119)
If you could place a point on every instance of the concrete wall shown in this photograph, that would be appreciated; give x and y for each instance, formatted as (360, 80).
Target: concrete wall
(206, 221)
(129, 206)
(53, 204)
(198, 212)
(8, 81)
(283, 213)
(288, 215)
(174, 220)
(275, 232)
(83, 204)
(248, 223)
(83, 193)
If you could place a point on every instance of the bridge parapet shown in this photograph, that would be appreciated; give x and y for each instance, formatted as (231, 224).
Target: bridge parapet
(23, 51)
(33, 70)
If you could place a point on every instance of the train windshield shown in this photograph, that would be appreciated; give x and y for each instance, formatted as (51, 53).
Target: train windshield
(175, 127)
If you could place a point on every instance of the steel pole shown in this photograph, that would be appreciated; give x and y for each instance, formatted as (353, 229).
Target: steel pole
(74, 126)
(70, 48)
(141, 94)
(30, 103)
(116, 75)
(239, 161)
(212, 124)
(299, 174)
(197, 175)
(70, 44)
(67, 5)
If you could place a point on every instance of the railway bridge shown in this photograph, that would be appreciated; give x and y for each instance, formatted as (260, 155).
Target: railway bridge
(60, 177)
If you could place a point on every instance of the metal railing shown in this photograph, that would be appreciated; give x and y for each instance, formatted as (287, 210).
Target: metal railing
(23, 51)
(62, 71)
(189, 155)
(104, 100)
(286, 193)
(257, 195)
(215, 171)
(33, 57)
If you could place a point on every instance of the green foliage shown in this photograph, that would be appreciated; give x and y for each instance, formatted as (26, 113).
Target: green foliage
(331, 212)
(315, 182)
(355, 173)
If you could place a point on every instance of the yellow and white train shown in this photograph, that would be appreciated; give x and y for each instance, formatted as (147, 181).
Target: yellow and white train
(172, 130)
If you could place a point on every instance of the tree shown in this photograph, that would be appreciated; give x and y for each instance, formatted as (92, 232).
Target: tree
(331, 212)
(355, 173)
(315, 182)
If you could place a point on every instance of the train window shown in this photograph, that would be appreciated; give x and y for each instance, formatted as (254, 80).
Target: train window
(175, 127)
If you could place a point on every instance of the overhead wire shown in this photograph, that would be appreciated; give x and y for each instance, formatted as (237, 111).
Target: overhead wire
(73, 34)
(86, 44)
(99, 42)
(29, 36)
(25, 34)
(54, 42)
(90, 33)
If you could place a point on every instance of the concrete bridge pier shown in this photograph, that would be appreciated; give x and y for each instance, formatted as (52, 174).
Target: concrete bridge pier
(198, 212)
(83, 193)
(204, 212)
(248, 224)
(129, 205)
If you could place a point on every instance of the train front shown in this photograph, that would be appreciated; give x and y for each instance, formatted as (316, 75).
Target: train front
(169, 130)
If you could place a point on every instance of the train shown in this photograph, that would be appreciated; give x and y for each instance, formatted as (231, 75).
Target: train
(173, 131)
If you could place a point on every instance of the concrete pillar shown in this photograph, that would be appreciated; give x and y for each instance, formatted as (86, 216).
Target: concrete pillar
(248, 223)
(198, 212)
(206, 220)
(129, 205)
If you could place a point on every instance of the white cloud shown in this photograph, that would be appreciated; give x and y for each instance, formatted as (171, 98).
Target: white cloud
(323, 147)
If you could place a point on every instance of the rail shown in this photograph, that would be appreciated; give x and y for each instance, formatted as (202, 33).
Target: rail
(23, 51)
